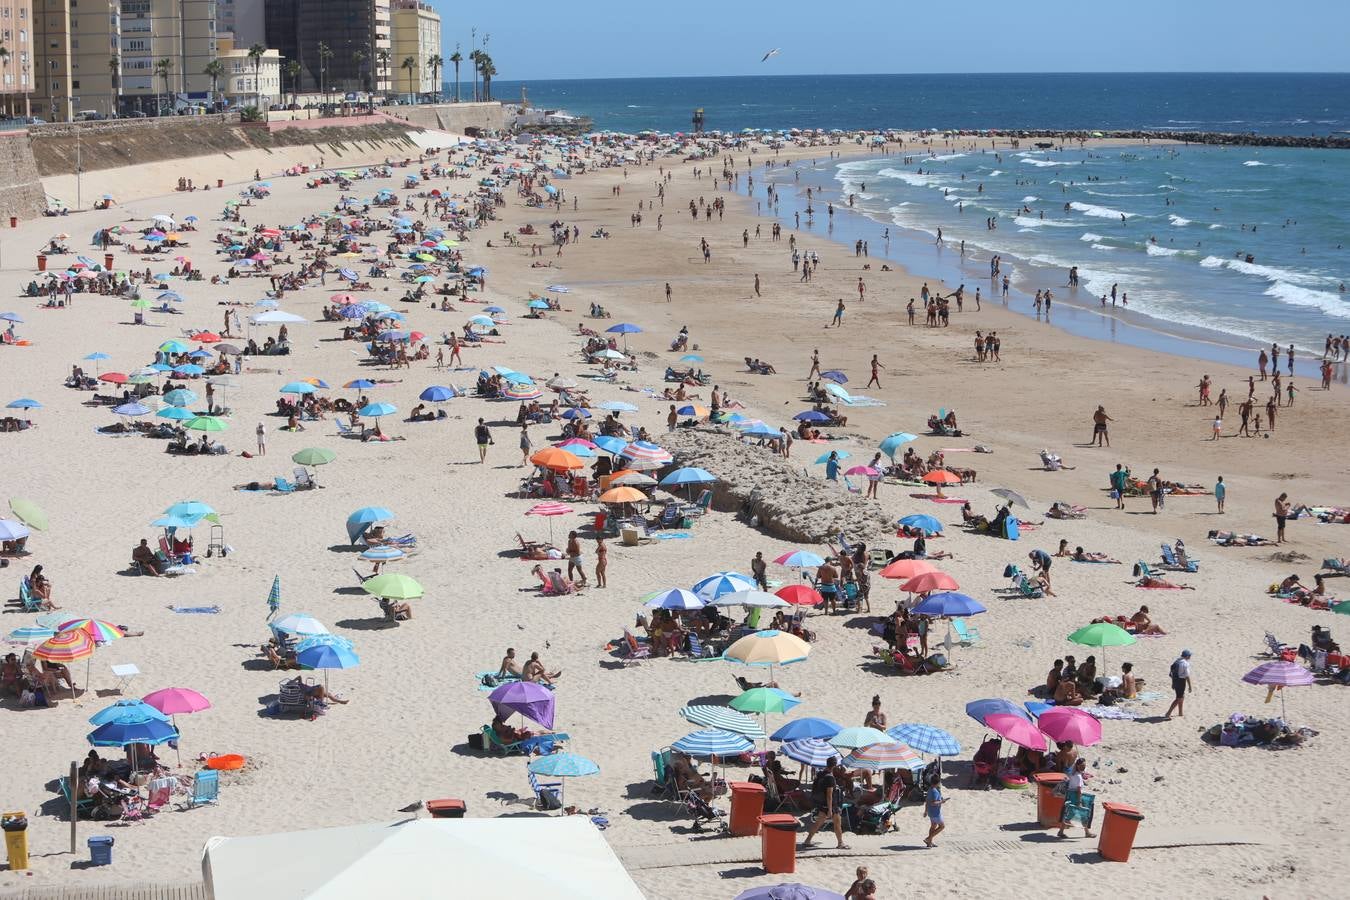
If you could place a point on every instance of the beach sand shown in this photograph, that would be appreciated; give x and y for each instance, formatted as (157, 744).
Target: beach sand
(1230, 822)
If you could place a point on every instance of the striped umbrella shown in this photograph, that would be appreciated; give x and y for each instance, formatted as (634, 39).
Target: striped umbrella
(29, 635)
(810, 752)
(1277, 676)
(720, 583)
(646, 455)
(800, 559)
(713, 742)
(720, 717)
(521, 392)
(861, 736)
(66, 647)
(890, 755)
(549, 510)
(926, 739)
(274, 597)
(674, 598)
(383, 553)
(102, 632)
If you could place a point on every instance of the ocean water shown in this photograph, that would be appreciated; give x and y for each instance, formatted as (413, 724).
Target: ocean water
(1268, 104)
(1170, 226)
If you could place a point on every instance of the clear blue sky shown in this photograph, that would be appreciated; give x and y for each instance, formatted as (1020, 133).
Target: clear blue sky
(531, 39)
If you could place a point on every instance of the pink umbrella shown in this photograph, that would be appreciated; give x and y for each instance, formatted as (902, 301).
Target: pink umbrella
(1277, 676)
(1016, 729)
(1065, 723)
(549, 510)
(172, 701)
(927, 582)
(869, 471)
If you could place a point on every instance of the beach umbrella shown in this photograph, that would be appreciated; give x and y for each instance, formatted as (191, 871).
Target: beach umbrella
(798, 559)
(1066, 723)
(929, 582)
(360, 384)
(376, 410)
(383, 553)
(549, 511)
(713, 742)
(629, 478)
(725, 719)
(942, 476)
(811, 415)
(907, 568)
(800, 595)
(359, 521)
(1103, 635)
(576, 412)
(67, 647)
(687, 476)
(609, 354)
(946, 604)
(691, 357)
(537, 304)
(720, 583)
(120, 733)
(205, 423)
(884, 756)
(927, 524)
(113, 377)
(564, 766)
(859, 736)
(1011, 496)
(618, 406)
(834, 375)
(749, 599)
(190, 370)
(274, 597)
(1016, 729)
(302, 624)
(893, 442)
(623, 328)
(437, 394)
(102, 632)
(811, 751)
(622, 495)
(674, 598)
(326, 652)
(793, 891)
(768, 648)
(926, 739)
(29, 635)
(609, 443)
(132, 410)
(807, 727)
(521, 392)
(1277, 676)
(693, 409)
(191, 510)
(174, 346)
(127, 711)
(392, 586)
(645, 455)
(764, 700)
(557, 459)
(981, 710)
(297, 387)
(23, 403)
(313, 456)
(13, 531)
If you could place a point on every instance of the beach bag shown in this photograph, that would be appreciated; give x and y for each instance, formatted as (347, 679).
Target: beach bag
(476, 742)
(491, 680)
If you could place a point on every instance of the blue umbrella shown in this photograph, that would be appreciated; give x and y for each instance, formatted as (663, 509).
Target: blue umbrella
(375, 410)
(576, 412)
(297, 387)
(437, 394)
(563, 765)
(170, 295)
(200, 354)
(675, 598)
(119, 734)
(23, 403)
(127, 711)
(363, 518)
(192, 510)
(716, 585)
(835, 375)
(688, 475)
(168, 521)
(610, 444)
(926, 739)
(759, 429)
(948, 603)
(180, 397)
(691, 357)
(838, 454)
(922, 522)
(618, 406)
(360, 384)
(177, 413)
(624, 328)
(132, 409)
(812, 752)
(318, 653)
(713, 742)
(97, 355)
(189, 369)
(807, 727)
(811, 415)
(383, 553)
(893, 442)
(494, 310)
(537, 304)
(517, 378)
(979, 710)
(30, 634)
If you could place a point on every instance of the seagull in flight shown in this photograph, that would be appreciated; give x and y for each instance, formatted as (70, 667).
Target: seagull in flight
(773, 52)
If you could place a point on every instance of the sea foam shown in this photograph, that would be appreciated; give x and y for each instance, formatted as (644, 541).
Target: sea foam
(1178, 221)
(1100, 212)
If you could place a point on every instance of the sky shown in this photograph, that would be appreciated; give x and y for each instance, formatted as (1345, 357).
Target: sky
(531, 39)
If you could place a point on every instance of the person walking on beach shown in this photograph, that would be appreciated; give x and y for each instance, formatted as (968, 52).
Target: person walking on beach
(862, 289)
(1204, 390)
(828, 800)
(1073, 800)
(1099, 432)
(1218, 427)
(482, 437)
(1281, 516)
(838, 320)
(454, 349)
(1222, 402)
(1119, 479)
(1180, 673)
(756, 284)
(876, 364)
(601, 562)
(815, 364)
(1220, 492)
(932, 807)
(574, 563)
(262, 439)
(525, 444)
(1155, 491)
(759, 571)
(1245, 414)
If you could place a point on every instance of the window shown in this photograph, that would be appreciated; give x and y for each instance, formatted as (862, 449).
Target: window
(75, 85)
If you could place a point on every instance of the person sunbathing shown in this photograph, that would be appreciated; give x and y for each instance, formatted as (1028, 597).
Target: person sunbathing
(143, 556)
(509, 667)
(1142, 623)
(687, 778)
(534, 671)
(316, 693)
(395, 611)
(509, 734)
(1083, 556)
(1153, 581)
(278, 656)
(41, 587)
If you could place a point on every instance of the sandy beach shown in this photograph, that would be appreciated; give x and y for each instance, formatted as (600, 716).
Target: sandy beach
(1212, 827)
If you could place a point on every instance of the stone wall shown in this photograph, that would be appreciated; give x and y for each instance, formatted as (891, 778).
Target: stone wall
(453, 117)
(21, 191)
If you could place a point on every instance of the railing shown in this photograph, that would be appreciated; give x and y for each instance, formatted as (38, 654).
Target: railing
(13, 124)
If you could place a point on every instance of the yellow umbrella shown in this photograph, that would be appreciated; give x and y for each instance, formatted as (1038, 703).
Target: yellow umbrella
(768, 648)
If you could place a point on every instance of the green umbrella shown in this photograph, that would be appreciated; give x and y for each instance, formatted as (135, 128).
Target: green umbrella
(393, 585)
(763, 700)
(205, 423)
(313, 456)
(141, 304)
(1342, 608)
(1102, 634)
(29, 512)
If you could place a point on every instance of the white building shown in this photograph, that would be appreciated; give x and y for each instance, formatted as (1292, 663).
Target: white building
(245, 84)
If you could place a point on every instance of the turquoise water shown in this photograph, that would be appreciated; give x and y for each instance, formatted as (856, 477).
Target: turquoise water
(1192, 216)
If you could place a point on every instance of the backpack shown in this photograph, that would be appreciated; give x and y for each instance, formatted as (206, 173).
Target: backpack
(1175, 669)
(819, 788)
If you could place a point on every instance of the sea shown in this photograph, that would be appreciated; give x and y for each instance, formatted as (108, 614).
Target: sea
(1218, 250)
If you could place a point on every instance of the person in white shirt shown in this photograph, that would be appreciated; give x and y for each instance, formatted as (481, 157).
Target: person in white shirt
(1181, 683)
(1073, 800)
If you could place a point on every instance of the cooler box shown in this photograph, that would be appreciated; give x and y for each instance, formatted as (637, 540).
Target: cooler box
(778, 843)
(446, 809)
(1119, 825)
(747, 805)
(100, 850)
(1049, 807)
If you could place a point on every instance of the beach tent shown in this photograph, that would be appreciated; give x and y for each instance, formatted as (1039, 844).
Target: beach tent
(563, 858)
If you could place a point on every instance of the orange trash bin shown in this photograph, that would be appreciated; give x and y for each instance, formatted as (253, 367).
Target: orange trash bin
(1121, 821)
(747, 805)
(42, 263)
(778, 843)
(1049, 807)
(108, 261)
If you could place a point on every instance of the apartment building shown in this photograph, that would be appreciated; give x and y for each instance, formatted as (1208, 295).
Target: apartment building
(416, 35)
(16, 57)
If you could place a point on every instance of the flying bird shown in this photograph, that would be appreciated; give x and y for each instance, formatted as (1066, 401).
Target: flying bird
(773, 52)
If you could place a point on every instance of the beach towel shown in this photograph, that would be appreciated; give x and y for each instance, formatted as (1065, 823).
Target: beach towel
(671, 535)
(196, 610)
(936, 499)
(1109, 712)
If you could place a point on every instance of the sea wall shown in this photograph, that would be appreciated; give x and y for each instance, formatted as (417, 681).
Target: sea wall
(461, 118)
(20, 187)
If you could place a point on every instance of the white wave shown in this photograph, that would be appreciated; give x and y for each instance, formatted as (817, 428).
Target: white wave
(1100, 212)
(1294, 295)
(1107, 194)
(1090, 237)
(634, 106)
(1033, 222)
(995, 173)
(1237, 190)
(1178, 221)
(1051, 163)
(1255, 162)
(1270, 273)
(1155, 250)
(1102, 247)
(1213, 262)
(943, 158)
(913, 178)
(1030, 199)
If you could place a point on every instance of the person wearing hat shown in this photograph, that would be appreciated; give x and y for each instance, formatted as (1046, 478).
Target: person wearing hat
(1181, 683)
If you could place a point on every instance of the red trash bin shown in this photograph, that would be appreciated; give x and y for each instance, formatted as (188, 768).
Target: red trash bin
(13, 221)
(600, 519)
(220, 182)
(747, 805)
(107, 261)
(1049, 807)
(778, 843)
(1119, 825)
(42, 263)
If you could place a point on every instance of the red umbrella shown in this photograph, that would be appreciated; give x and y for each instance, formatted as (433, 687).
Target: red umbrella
(930, 581)
(907, 568)
(1016, 729)
(942, 476)
(206, 337)
(1065, 723)
(113, 377)
(800, 595)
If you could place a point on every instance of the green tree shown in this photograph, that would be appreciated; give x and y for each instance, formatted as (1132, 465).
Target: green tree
(434, 64)
(382, 56)
(293, 70)
(325, 54)
(456, 59)
(162, 69)
(214, 69)
(410, 64)
(487, 70)
(256, 53)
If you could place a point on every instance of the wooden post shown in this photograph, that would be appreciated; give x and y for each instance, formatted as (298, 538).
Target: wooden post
(74, 792)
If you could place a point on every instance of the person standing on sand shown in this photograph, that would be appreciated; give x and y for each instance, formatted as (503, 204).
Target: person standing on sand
(454, 349)
(1181, 683)
(1220, 492)
(1155, 491)
(1204, 390)
(909, 310)
(876, 364)
(838, 320)
(262, 439)
(601, 562)
(1222, 402)
(815, 364)
(756, 284)
(574, 562)
(482, 437)
(1099, 432)
(1218, 427)
(1270, 412)
(1119, 479)
(1281, 516)
(671, 418)
(667, 291)
(525, 444)
(932, 807)
(862, 289)
(759, 571)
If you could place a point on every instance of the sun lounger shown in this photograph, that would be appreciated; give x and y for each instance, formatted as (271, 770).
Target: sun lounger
(547, 794)
(303, 481)
(968, 635)
(1170, 561)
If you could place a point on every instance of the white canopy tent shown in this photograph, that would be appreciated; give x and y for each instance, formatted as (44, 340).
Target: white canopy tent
(562, 858)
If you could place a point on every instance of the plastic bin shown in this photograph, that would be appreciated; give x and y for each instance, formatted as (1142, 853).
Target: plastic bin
(747, 805)
(15, 825)
(778, 843)
(108, 261)
(42, 262)
(100, 850)
(1120, 822)
(1049, 807)
(448, 808)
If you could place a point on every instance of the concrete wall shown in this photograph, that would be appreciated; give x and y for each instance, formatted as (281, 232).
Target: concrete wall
(21, 191)
(454, 117)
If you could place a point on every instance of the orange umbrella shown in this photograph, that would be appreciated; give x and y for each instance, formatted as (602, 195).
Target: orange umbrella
(907, 568)
(942, 476)
(556, 458)
(623, 495)
(930, 581)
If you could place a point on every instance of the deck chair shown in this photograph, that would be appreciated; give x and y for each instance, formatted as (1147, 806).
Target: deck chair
(670, 517)
(292, 699)
(133, 810)
(283, 486)
(547, 794)
(303, 480)
(664, 777)
(205, 789)
(360, 579)
(493, 742)
(159, 791)
(968, 635)
(31, 602)
(878, 558)
(1273, 646)
(82, 806)
(343, 428)
(698, 652)
(1169, 559)
(166, 552)
(634, 652)
(852, 488)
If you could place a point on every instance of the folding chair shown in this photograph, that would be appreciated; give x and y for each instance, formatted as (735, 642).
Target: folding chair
(547, 794)
(303, 479)
(125, 672)
(205, 789)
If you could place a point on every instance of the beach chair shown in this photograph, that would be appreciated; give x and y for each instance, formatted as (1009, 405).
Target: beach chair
(292, 699)
(494, 743)
(878, 558)
(671, 517)
(1169, 559)
(303, 481)
(852, 488)
(699, 506)
(159, 791)
(167, 554)
(664, 777)
(31, 602)
(133, 810)
(698, 652)
(1274, 647)
(343, 428)
(634, 652)
(547, 794)
(205, 789)
(968, 635)
(1337, 566)
(283, 486)
(82, 806)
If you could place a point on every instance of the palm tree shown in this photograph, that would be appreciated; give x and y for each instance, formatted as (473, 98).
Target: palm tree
(474, 57)
(214, 69)
(115, 77)
(255, 53)
(382, 56)
(434, 64)
(325, 54)
(293, 69)
(162, 69)
(456, 58)
(487, 69)
(4, 61)
(359, 57)
(410, 63)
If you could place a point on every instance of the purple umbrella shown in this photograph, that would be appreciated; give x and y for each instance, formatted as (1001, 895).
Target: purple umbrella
(533, 701)
(789, 892)
(1279, 675)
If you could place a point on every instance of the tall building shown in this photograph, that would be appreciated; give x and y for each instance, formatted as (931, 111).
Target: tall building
(416, 36)
(242, 18)
(354, 31)
(16, 60)
(77, 56)
(181, 32)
